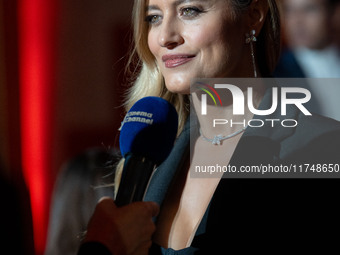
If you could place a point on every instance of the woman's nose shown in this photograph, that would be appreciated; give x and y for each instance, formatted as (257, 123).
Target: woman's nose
(170, 34)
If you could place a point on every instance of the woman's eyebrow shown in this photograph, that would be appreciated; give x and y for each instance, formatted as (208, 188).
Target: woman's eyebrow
(152, 8)
(175, 3)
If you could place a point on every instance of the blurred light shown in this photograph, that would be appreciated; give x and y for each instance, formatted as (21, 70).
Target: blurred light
(37, 47)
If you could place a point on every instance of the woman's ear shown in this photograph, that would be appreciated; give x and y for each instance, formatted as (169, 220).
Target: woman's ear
(257, 13)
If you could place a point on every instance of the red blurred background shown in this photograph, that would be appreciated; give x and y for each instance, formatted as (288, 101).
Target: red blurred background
(61, 85)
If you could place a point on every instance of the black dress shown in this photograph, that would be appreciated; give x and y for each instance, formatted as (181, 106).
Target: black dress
(265, 214)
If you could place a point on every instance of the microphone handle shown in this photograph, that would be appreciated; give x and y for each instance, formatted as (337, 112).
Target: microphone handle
(135, 178)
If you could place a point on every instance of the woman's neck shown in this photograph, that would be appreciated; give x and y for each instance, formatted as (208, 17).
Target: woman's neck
(221, 120)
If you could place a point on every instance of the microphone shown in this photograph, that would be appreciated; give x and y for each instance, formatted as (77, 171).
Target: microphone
(147, 135)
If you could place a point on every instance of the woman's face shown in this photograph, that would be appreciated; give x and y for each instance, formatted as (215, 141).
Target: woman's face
(196, 39)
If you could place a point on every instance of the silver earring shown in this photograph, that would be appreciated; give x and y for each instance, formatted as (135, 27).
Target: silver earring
(250, 38)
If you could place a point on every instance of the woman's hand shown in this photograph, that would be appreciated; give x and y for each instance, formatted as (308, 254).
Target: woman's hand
(125, 230)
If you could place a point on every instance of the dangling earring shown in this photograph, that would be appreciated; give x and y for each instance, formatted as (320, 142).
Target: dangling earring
(250, 38)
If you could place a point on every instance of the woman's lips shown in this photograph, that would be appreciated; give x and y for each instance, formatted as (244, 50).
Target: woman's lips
(172, 61)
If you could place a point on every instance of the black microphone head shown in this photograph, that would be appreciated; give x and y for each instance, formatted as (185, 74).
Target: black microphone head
(149, 129)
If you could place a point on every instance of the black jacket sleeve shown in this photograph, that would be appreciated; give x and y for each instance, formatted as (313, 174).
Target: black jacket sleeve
(91, 248)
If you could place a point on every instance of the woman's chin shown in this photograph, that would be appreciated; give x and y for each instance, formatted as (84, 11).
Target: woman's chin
(179, 90)
(178, 86)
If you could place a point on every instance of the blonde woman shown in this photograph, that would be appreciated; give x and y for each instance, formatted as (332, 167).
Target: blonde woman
(177, 41)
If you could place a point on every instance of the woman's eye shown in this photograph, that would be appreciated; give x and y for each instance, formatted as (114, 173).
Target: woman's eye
(153, 19)
(190, 12)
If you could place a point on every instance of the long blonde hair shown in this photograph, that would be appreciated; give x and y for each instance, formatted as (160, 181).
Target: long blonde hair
(148, 80)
